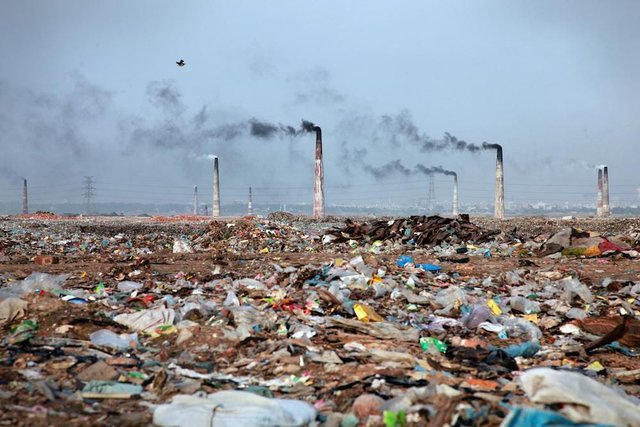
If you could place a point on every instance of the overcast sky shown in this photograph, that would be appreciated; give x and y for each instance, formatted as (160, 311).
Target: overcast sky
(92, 88)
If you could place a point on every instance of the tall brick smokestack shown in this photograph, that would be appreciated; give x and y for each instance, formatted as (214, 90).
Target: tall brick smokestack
(250, 204)
(215, 208)
(318, 185)
(606, 210)
(195, 200)
(599, 201)
(499, 203)
(455, 195)
(25, 197)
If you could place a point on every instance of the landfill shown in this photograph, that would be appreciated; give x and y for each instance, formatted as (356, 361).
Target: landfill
(290, 321)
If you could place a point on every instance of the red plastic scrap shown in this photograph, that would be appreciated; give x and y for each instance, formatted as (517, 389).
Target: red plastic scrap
(606, 246)
(143, 300)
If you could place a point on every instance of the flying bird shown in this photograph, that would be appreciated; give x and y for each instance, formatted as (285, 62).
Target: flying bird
(181, 63)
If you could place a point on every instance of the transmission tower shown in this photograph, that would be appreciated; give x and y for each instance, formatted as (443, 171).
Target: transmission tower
(88, 194)
(431, 197)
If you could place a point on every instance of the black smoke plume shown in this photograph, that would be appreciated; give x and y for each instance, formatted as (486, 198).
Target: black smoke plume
(487, 146)
(381, 172)
(458, 144)
(396, 166)
(420, 168)
(265, 130)
(402, 125)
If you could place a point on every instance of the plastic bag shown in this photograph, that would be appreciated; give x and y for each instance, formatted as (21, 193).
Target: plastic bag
(573, 288)
(525, 349)
(450, 299)
(231, 300)
(107, 338)
(12, 309)
(523, 305)
(147, 320)
(233, 409)
(129, 286)
(248, 320)
(576, 313)
(39, 281)
(583, 400)
(519, 328)
(479, 313)
(182, 246)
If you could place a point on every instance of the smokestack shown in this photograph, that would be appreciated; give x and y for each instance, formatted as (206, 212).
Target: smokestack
(606, 211)
(195, 200)
(455, 194)
(499, 203)
(215, 208)
(318, 185)
(431, 196)
(250, 204)
(25, 198)
(599, 201)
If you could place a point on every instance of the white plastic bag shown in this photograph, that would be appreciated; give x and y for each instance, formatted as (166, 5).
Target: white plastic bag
(233, 409)
(584, 400)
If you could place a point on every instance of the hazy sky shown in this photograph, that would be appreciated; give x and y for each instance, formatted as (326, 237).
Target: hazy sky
(92, 88)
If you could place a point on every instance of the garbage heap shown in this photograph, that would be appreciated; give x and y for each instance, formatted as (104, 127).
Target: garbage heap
(261, 236)
(575, 242)
(213, 330)
(418, 230)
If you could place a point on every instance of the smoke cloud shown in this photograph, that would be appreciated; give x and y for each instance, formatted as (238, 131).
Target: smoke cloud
(165, 95)
(9, 175)
(433, 170)
(265, 130)
(85, 129)
(316, 88)
(396, 167)
(176, 132)
(401, 127)
(381, 172)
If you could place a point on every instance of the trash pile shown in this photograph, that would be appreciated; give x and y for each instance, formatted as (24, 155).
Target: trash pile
(255, 236)
(207, 328)
(54, 240)
(414, 230)
(572, 242)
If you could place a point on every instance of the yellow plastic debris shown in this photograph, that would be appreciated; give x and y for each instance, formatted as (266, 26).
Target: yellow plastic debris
(592, 251)
(596, 366)
(533, 318)
(163, 330)
(495, 308)
(375, 279)
(264, 251)
(366, 313)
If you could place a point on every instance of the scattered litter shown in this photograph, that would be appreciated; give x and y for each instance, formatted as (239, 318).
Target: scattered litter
(290, 321)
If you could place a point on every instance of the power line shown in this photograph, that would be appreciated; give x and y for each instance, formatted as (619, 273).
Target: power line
(89, 194)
